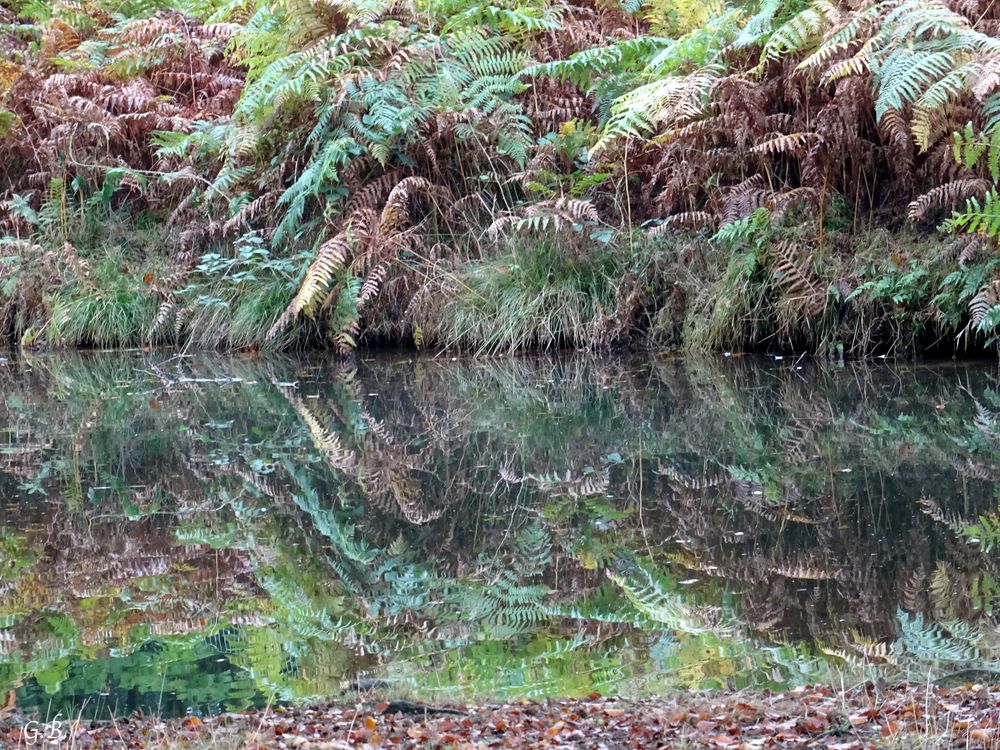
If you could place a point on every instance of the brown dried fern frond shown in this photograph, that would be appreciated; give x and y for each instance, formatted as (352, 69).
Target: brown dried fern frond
(396, 213)
(948, 195)
(249, 212)
(792, 143)
(685, 220)
(790, 271)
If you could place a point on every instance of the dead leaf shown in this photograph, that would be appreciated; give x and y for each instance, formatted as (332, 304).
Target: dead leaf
(722, 740)
(816, 724)
(891, 728)
(555, 729)
(981, 735)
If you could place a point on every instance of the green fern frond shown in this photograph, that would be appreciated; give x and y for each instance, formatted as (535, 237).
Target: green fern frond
(660, 104)
(652, 592)
(969, 148)
(979, 217)
(802, 31)
(524, 19)
(906, 73)
(587, 69)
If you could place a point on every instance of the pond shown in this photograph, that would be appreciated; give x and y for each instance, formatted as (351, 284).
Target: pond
(207, 534)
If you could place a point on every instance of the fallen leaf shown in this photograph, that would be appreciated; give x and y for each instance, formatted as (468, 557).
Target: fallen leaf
(815, 724)
(981, 735)
(722, 740)
(890, 728)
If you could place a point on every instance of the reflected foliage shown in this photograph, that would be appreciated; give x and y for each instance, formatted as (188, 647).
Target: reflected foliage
(212, 534)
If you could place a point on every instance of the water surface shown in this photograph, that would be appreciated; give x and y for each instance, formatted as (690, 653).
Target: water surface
(207, 534)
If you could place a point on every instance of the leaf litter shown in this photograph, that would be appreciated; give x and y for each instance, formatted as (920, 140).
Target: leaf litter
(869, 716)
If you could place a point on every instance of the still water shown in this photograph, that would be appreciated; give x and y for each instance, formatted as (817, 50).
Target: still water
(208, 534)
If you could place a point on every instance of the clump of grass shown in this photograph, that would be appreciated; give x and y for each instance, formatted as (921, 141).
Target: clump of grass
(94, 290)
(110, 308)
(255, 313)
(534, 296)
(218, 317)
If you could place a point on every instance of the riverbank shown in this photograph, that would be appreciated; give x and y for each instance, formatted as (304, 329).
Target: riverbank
(855, 294)
(867, 716)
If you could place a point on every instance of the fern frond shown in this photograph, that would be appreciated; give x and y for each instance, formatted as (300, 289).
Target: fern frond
(948, 194)
(906, 73)
(792, 143)
(978, 218)
(661, 104)
(969, 148)
(330, 259)
(687, 219)
(798, 285)
(983, 307)
(372, 284)
(802, 30)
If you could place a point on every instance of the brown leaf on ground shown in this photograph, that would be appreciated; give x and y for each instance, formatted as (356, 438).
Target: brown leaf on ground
(815, 717)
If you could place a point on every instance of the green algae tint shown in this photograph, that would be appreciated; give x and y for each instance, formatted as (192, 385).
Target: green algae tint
(210, 534)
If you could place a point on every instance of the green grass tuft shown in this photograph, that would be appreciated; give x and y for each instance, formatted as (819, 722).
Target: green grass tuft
(533, 297)
(112, 309)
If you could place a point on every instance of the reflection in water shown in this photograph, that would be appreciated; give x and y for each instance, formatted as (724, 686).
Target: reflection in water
(215, 533)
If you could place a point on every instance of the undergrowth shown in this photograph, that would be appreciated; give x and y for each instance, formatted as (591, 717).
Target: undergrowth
(758, 285)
